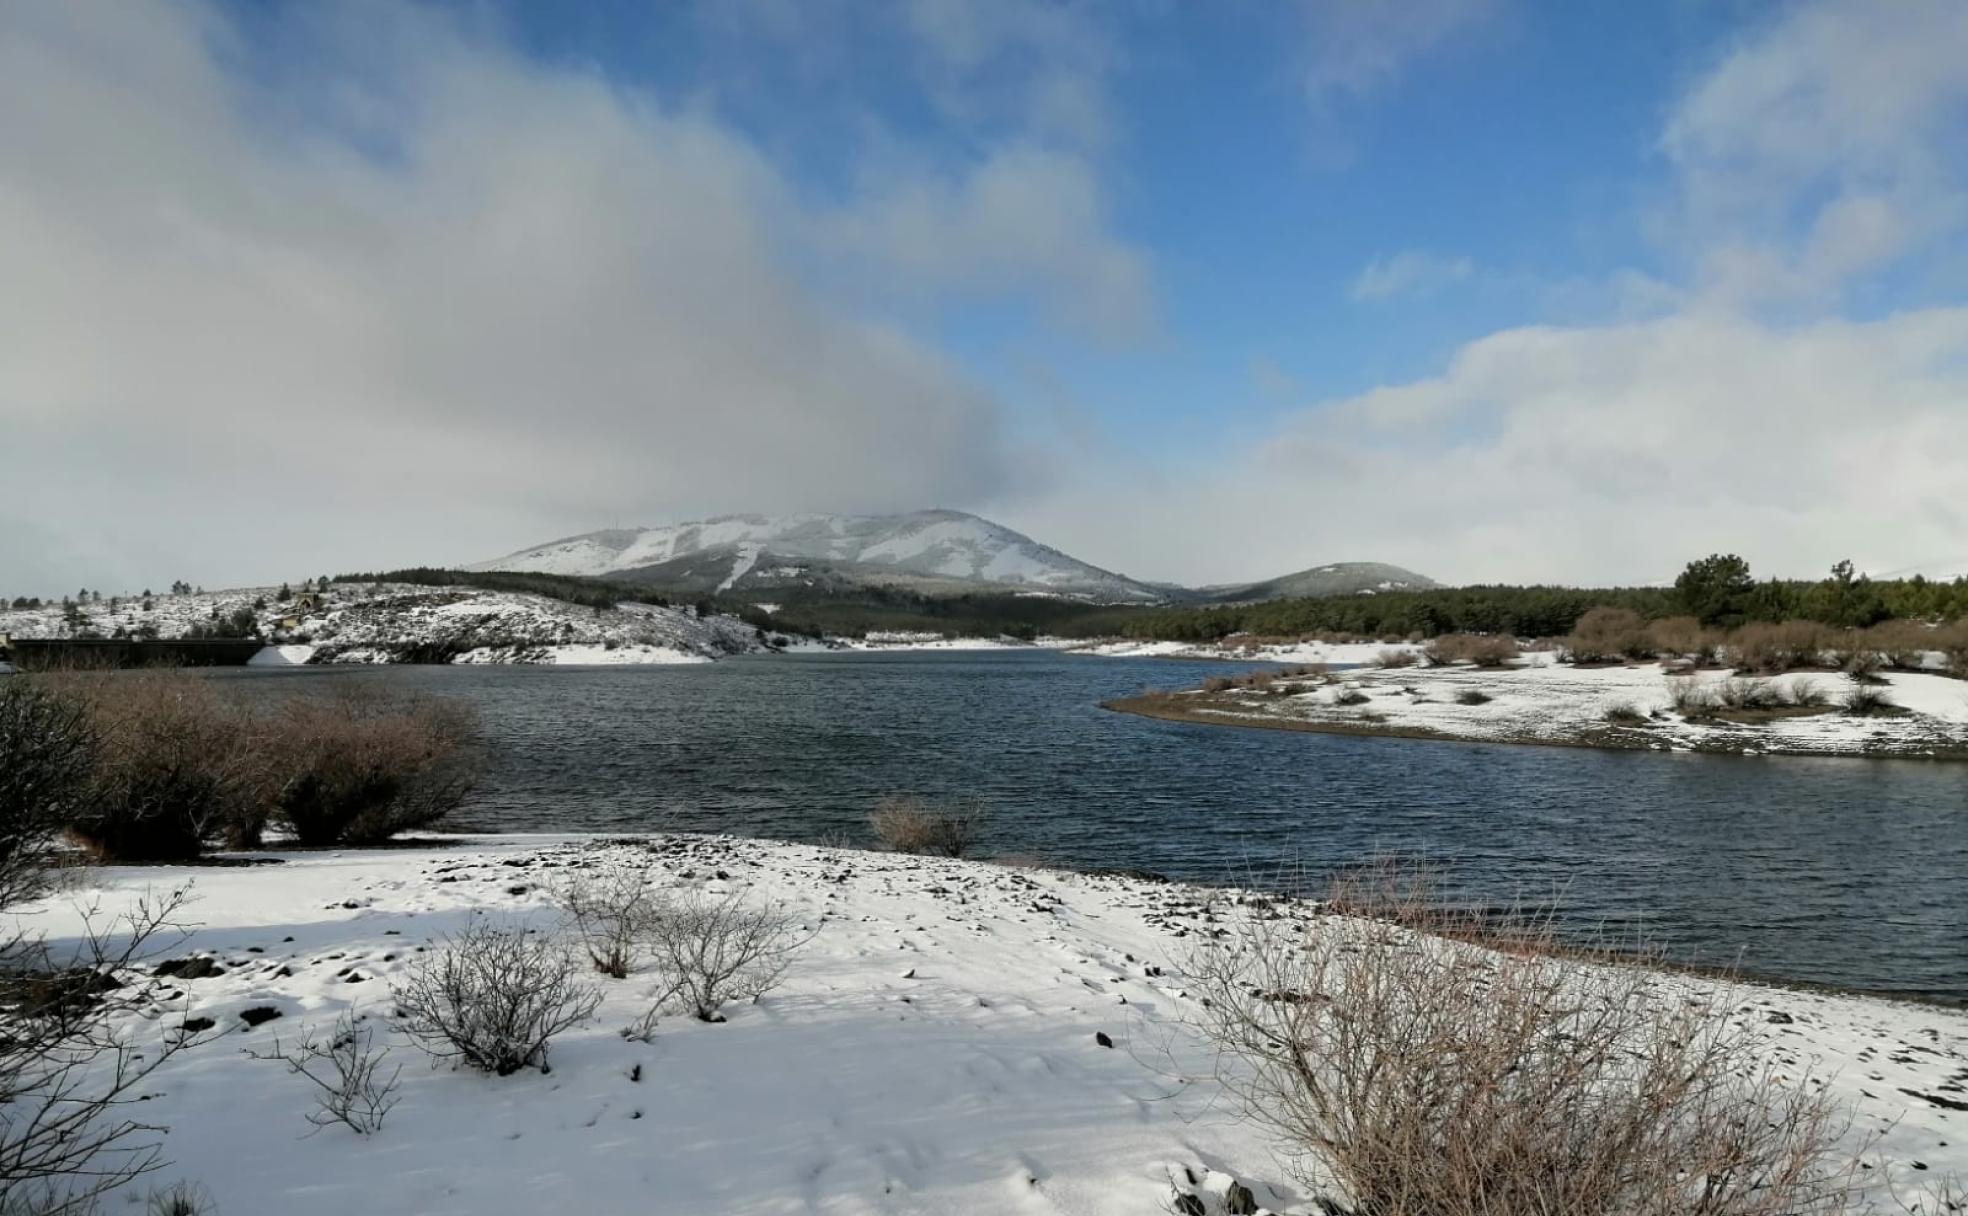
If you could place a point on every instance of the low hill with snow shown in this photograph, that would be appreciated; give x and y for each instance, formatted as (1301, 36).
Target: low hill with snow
(402, 622)
(1323, 582)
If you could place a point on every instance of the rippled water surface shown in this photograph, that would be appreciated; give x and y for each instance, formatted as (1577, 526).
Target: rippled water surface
(1848, 872)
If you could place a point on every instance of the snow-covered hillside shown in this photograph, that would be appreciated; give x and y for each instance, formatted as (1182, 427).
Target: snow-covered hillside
(398, 622)
(756, 551)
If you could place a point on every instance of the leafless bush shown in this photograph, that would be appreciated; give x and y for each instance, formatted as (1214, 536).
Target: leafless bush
(359, 766)
(1626, 713)
(910, 825)
(1606, 634)
(178, 1199)
(1350, 696)
(712, 950)
(1690, 696)
(351, 1087)
(69, 1074)
(1780, 646)
(1473, 696)
(47, 746)
(614, 915)
(1393, 657)
(1217, 684)
(1904, 644)
(175, 765)
(1865, 701)
(1805, 693)
(1744, 693)
(1481, 649)
(1683, 637)
(1423, 1075)
(493, 997)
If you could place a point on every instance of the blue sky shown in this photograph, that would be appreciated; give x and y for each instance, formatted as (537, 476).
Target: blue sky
(1495, 289)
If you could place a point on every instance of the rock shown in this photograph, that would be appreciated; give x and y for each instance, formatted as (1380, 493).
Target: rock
(1779, 1018)
(1100, 1037)
(1190, 1205)
(1239, 1201)
(189, 968)
(258, 1014)
(198, 1024)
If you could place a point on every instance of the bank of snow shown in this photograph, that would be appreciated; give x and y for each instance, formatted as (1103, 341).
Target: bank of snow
(1338, 653)
(932, 1050)
(1537, 700)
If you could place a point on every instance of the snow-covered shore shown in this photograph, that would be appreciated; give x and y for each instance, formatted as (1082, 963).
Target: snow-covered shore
(932, 1049)
(1537, 700)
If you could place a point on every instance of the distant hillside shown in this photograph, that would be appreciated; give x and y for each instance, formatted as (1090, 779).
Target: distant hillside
(1321, 582)
(933, 552)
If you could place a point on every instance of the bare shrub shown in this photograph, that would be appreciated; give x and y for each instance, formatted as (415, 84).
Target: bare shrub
(493, 997)
(175, 765)
(1691, 697)
(1394, 657)
(1952, 642)
(178, 1199)
(70, 1076)
(347, 1071)
(1473, 696)
(614, 915)
(1683, 637)
(1428, 1076)
(1742, 693)
(1626, 713)
(1866, 701)
(712, 950)
(1217, 684)
(1606, 634)
(1904, 644)
(47, 747)
(1350, 696)
(910, 825)
(1805, 693)
(1780, 646)
(360, 766)
(1481, 649)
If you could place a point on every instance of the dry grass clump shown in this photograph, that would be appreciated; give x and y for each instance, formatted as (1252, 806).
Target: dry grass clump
(1866, 701)
(1473, 696)
(1626, 713)
(1350, 696)
(1421, 1075)
(908, 824)
(1218, 684)
(359, 766)
(1396, 657)
(1690, 697)
(1480, 649)
(1604, 635)
(1805, 693)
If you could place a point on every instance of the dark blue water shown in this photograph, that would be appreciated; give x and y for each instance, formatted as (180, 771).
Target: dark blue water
(1847, 872)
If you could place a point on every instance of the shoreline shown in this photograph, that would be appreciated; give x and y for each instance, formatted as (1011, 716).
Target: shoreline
(1629, 707)
(930, 994)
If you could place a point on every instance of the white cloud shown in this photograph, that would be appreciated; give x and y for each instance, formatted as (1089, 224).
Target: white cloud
(1023, 215)
(1411, 272)
(1586, 456)
(243, 348)
(1356, 49)
(1822, 147)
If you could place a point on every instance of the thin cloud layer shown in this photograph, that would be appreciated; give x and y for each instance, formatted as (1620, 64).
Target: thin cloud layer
(543, 303)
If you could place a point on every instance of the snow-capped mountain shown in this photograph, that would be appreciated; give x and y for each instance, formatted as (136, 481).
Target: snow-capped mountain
(1336, 578)
(928, 550)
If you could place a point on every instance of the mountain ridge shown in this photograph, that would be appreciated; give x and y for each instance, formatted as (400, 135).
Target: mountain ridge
(932, 552)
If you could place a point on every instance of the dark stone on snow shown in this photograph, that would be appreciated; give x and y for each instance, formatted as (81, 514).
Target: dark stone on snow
(198, 1025)
(1100, 1037)
(1239, 1201)
(258, 1014)
(1779, 1018)
(189, 968)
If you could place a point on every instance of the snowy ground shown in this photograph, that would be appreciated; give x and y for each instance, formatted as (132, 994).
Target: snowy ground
(1337, 653)
(1541, 701)
(932, 1049)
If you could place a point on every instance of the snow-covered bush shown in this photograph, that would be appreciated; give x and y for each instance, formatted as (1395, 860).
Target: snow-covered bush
(1420, 1071)
(712, 950)
(358, 766)
(493, 997)
(47, 746)
(910, 825)
(615, 915)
